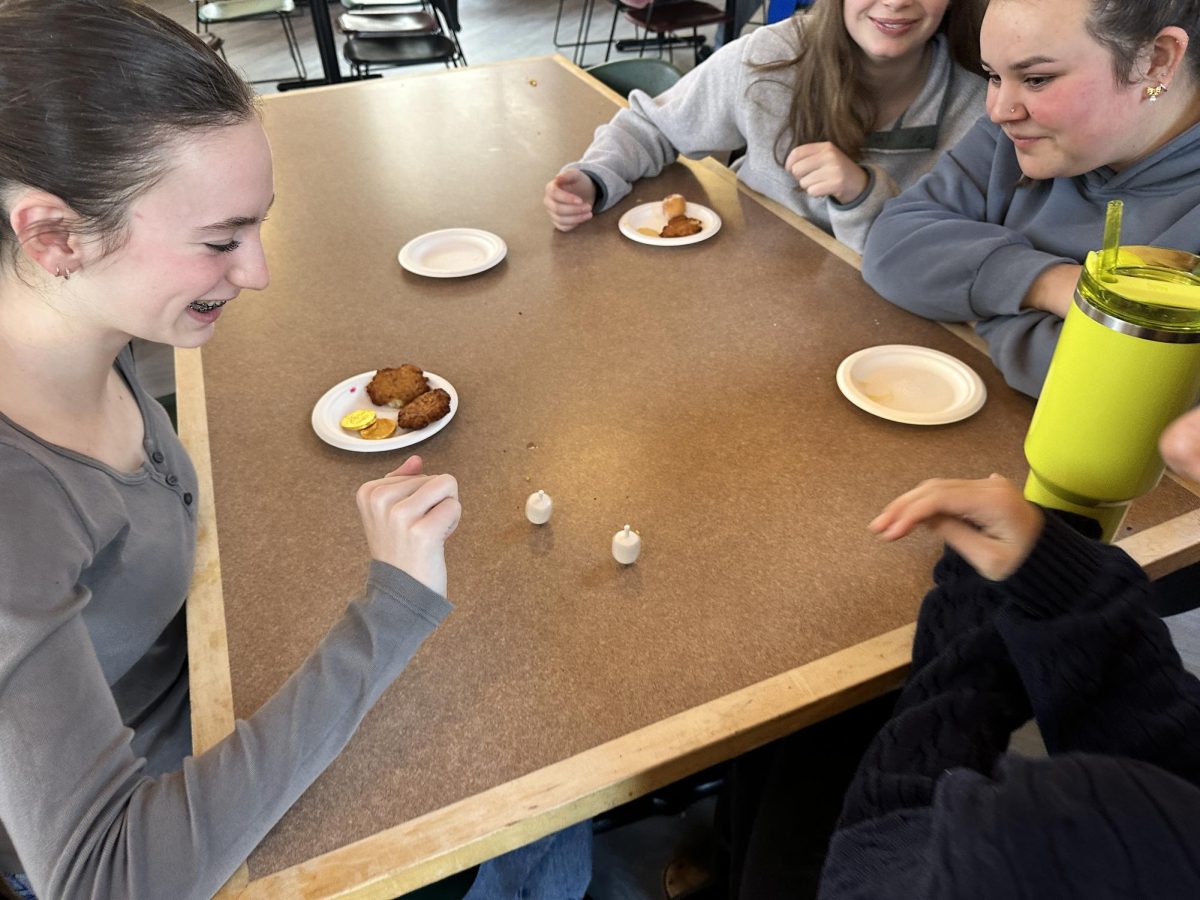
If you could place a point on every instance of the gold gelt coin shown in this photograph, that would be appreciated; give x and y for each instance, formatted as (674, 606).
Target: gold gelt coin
(358, 420)
(379, 429)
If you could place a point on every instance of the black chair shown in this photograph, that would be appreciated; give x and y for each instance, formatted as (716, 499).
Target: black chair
(364, 51)
(625, 75)
(372, 24)
(665, 19)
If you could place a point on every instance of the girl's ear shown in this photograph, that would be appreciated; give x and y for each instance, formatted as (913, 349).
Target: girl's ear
(1165, 54)
(42, 224)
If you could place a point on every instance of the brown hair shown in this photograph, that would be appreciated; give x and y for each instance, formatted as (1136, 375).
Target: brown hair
(95, 92)
(1126, 27)
(841, 109)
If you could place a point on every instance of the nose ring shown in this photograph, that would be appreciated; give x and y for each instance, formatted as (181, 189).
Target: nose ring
(1011, 110)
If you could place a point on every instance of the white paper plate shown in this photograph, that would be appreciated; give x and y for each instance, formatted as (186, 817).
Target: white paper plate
(453, 252)
(914, 385)
(350, 395)
(650, 215)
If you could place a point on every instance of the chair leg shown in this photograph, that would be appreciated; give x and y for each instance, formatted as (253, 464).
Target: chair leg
(612, 32)
(293, 47)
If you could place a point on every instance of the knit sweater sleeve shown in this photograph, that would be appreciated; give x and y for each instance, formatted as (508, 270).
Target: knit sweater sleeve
(695, 117)
(1098, 664)
(958, 708)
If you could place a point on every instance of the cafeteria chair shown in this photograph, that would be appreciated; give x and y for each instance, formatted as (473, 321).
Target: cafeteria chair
(625, 75)
(214, 43)
(665, 19)
(364, 50)
(220, 12)
(372, 23)
(386, 6)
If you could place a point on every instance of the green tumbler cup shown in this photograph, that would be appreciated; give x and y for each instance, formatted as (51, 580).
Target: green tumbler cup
(1127, 363)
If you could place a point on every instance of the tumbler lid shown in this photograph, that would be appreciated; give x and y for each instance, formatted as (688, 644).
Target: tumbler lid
(1151, 293)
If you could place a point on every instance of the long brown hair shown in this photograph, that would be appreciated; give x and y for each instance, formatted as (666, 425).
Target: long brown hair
(831, 101)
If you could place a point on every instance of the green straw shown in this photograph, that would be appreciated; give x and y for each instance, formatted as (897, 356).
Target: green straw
(1112, 238)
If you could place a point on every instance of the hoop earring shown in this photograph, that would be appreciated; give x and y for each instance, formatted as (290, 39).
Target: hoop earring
(1154, 91)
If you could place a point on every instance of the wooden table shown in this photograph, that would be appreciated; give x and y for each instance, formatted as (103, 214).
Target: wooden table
(687, 391)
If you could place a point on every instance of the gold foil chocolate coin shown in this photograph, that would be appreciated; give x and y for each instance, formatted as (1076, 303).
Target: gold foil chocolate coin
(359, 419)
(379, 429)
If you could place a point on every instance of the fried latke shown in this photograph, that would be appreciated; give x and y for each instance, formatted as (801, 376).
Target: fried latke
(429, 407)
(397, 387)
(681, 226)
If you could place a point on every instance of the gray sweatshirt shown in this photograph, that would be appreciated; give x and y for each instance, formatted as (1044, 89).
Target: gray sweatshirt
(965, 242)
(725, 104)
(98, 793)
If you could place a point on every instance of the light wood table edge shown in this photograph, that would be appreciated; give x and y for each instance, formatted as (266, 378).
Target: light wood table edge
(359, 83)
(210, 685)
(477, 828)
(593, 82)
(1166, 547)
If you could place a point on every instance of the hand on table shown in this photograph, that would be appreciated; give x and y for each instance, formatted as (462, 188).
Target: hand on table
(407, 517)
(823, 170)
(991, 525)
(569, 198)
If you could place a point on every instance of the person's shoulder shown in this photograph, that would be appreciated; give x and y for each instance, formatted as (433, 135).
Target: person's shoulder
(969, 90)
(773, 43)
(27, 468)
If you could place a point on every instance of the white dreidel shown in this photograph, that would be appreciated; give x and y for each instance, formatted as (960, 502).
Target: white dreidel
(538, 508)
(626, 545)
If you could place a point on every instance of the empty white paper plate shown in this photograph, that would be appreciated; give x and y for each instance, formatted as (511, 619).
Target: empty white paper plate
(914, 385)
(452, 252)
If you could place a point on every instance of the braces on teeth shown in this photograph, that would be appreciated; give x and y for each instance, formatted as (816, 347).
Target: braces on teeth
(201, 306)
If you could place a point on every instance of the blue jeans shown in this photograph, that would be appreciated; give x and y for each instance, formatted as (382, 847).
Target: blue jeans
(19, 885)
(558, 867)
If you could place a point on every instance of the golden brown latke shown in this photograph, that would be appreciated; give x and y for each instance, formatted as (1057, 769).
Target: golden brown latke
(681, 226)
(429, 407)
(396, 387)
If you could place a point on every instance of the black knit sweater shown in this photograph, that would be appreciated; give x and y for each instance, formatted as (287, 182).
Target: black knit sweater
(938, 810)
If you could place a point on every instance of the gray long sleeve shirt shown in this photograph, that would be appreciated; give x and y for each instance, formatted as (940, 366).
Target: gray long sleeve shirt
(966, 242)
(725, 104)
(98, 794)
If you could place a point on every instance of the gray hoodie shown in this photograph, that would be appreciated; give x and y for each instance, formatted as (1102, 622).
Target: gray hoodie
(725, 104)
(965, 242)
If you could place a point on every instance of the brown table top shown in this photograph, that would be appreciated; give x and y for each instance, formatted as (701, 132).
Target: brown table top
(687, 391)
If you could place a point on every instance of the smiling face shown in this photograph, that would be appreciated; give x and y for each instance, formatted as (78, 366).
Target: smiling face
(193, 240)
(1052, 88)
(892, 30)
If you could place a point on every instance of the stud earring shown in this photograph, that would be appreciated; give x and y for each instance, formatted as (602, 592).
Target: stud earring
(66, 274)
(58, 271)
(1011, 110)
(1154, 91)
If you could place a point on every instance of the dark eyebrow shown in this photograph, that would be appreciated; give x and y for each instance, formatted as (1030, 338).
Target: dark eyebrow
(1027, 63)
(234, 222)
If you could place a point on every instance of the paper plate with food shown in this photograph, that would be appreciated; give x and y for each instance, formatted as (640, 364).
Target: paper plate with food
(385, 409)
(673, 222)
